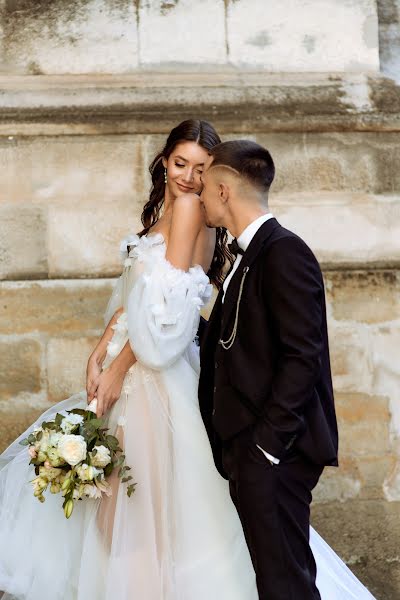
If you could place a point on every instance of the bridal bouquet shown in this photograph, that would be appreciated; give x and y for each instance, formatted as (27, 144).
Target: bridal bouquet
(73, 455)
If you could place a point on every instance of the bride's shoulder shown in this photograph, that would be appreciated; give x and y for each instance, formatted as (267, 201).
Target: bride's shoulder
(187, 212)
(189, 203)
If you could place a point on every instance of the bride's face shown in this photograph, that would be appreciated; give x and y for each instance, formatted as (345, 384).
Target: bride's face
(184, 168)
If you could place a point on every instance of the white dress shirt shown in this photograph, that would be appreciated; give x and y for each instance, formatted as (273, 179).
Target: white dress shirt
(244, 241)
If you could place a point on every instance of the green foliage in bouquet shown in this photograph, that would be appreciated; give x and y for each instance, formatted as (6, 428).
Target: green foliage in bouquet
(73, 455)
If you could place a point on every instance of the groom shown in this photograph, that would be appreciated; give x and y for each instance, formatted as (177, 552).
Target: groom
(265, 387)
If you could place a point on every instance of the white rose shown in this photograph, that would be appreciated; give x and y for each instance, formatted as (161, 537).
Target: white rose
(102, 457)
(72, 448)
(71, 421)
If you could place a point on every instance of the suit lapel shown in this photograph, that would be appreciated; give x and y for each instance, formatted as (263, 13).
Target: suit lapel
(256, 245)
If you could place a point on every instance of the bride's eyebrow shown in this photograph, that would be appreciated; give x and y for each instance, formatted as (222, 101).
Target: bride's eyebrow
(186, 160)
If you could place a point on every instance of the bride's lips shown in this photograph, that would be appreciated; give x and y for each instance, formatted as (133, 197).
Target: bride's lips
(184, 188)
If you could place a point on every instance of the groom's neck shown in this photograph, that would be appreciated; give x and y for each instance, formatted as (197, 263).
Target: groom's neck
(243, 215)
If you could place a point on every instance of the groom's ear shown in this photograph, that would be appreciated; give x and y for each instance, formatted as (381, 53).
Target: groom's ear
(223, 192)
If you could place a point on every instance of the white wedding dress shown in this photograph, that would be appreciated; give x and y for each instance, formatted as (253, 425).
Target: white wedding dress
(178, 537)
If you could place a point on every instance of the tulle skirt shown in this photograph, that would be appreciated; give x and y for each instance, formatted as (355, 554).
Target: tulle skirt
(177, 538)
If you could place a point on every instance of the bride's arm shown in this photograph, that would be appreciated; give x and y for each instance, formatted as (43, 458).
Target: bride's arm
(99, 353)
(186, 223)
(97, 357)
(106, 385)
(111, 379)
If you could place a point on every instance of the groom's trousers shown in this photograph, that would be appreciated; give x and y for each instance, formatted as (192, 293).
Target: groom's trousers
(273, 502)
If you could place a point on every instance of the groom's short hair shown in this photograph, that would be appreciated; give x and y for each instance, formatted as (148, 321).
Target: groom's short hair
(250, 160)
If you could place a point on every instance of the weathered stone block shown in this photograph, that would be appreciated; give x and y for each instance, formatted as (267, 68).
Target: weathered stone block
(12, 424)
(201, 27)
(21, 361)
(389, 37)
(344, 229)
(93, 170)
(351, 359)
(83, 242)
(385, 343)
(53, 307)
(365, 438)
(342, 483)
(374, 471)
(364, 296)
(354, 409)
(347, 161)
(23, 242)
(81, 36)
(324, 35)
(66, 366)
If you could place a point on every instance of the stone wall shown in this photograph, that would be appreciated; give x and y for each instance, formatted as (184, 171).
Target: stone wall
(120, 36)
(88, 91)
(389, 37)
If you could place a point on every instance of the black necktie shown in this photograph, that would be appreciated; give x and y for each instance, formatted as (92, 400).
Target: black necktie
(235, 248)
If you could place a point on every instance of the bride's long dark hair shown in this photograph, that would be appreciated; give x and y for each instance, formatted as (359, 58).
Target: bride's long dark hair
(204, 134)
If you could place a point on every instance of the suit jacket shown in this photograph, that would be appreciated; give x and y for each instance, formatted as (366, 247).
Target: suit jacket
(276, 378)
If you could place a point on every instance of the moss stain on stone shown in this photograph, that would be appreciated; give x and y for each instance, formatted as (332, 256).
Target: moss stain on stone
(167, 6)
(261, 39)
(26, 23)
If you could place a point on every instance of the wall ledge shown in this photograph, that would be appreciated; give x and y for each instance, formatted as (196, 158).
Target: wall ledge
(149, 102)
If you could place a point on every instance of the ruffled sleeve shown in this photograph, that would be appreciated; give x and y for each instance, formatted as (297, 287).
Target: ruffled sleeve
(117, 297)
(115, 301)
(164, 311)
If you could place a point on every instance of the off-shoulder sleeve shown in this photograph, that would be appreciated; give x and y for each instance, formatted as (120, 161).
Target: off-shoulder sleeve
(116, 300)
(164, 311)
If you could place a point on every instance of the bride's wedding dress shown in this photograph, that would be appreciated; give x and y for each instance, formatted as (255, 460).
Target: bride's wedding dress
(178, 537)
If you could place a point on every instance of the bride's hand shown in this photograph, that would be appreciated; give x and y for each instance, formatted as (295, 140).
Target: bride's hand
(93, 372)
(109, 389)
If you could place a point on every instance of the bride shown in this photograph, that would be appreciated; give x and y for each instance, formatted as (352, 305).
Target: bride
(178, 537)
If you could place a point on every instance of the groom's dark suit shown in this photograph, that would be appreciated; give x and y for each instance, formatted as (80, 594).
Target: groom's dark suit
(272, 389)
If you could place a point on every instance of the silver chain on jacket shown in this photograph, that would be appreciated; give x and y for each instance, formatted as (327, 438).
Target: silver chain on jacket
(227, 344)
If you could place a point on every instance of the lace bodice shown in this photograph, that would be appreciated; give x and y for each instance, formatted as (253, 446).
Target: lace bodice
(161, 303)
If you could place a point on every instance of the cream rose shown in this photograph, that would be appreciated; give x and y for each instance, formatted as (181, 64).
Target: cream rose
(102, 457)
(72, 448)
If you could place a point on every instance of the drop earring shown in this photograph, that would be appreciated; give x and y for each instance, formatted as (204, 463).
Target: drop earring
(165, 176)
